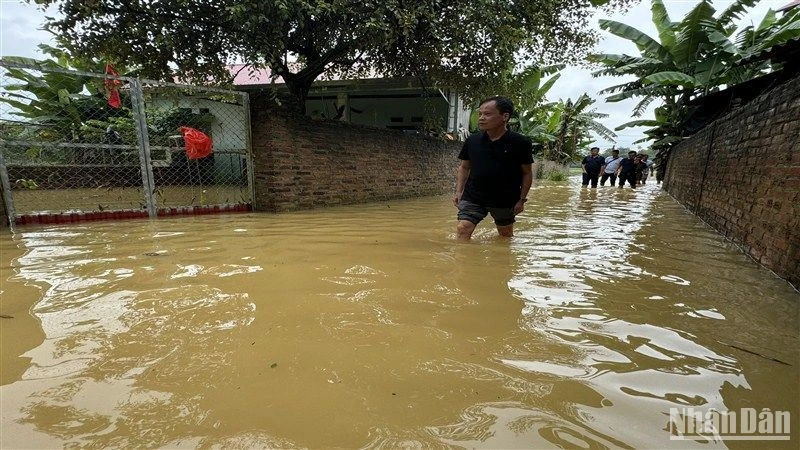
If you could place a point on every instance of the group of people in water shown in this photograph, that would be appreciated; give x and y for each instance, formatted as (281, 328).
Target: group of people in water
(633, 170)
(495, 174)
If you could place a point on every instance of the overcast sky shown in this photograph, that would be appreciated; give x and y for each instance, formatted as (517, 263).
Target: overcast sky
(20, 33)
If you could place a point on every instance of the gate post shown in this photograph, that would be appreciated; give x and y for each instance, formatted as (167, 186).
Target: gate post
(248, 133)
(143, 138)
(8, 200)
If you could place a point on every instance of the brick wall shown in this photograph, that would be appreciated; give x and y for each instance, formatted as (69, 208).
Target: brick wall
(300, 163)
(3, 215)
(741, 175)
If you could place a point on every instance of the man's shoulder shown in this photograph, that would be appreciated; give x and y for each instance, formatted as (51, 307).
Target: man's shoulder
(518, 137)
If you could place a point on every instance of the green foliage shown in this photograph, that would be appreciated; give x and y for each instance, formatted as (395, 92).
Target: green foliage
(557, 175)
(465, 45)
(691, 58)
(562, 129)
(52, 106)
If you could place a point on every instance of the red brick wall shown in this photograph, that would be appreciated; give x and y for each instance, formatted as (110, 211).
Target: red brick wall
(741, 175)
(300, 163)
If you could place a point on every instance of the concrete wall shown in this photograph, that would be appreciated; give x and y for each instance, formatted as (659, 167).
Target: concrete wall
(302, 163)
(741, 175)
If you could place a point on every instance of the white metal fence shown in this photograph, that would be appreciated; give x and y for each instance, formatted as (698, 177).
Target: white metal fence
(86, 146)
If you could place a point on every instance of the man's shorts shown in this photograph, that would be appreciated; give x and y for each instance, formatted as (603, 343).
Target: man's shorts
(475, 213)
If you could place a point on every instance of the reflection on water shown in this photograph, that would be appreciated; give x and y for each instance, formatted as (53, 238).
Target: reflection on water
(369, 326)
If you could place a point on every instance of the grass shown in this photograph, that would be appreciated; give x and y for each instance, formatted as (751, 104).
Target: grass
(557, 175)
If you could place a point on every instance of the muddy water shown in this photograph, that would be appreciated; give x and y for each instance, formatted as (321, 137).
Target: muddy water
(369, 326)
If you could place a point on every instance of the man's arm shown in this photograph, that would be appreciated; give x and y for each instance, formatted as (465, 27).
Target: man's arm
(583, 165)
(527, 180)
(462, 173)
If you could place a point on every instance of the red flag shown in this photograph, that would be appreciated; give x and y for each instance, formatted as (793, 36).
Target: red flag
(112, 86)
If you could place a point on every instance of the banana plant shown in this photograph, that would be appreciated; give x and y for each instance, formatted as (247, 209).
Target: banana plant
(561, 129)
(696, 56)
(53, 106)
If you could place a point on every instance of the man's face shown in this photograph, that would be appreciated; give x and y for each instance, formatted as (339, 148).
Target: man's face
(631, 155)
(595, 151)
(615, 154)
(489, 117)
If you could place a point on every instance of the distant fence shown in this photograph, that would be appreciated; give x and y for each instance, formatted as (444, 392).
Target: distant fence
(83, 146)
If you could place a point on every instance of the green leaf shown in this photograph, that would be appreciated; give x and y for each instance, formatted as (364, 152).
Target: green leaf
(709, 72)
(639, 123)
(648, 90)
(722, 42)
(769, 19)
(784, 34)
(691, 34)
(664, 26)
(21, 60)
(734, 12)
(672, 79)
(642, 105)
(647, 45)
(63, 96)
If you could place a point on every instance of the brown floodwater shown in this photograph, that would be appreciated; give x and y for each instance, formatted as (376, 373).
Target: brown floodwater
(369, 326)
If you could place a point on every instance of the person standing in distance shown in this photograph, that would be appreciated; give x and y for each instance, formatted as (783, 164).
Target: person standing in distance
(627, 170)
(592, 165)
(612, 164)
(494, 175)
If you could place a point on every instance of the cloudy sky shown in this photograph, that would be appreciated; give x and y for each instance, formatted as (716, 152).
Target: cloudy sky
(20, 33)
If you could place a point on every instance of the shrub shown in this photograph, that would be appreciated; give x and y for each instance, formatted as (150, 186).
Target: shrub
(557, 175)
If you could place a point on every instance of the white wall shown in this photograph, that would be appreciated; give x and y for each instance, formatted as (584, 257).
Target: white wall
(228, 130)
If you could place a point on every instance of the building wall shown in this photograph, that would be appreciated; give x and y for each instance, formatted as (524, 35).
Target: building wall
(386, 112)
(741, 175)
(302, 163)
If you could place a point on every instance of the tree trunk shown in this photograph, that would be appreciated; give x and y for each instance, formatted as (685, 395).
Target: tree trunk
(298, 93)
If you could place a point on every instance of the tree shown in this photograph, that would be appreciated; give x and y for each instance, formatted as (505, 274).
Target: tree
(466, 44)
(691, 58)
(560, 130)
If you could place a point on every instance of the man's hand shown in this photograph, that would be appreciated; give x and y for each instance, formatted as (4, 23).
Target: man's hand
(519, 207)
(456, 199)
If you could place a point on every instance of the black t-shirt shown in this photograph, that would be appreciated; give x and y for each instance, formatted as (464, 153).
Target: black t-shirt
(628, 165)
(495, 177)
(593, 163)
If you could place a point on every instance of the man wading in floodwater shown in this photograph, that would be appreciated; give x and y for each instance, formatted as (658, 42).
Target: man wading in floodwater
(495, 171)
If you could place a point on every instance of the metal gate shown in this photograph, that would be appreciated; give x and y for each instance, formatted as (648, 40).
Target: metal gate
(86, 146)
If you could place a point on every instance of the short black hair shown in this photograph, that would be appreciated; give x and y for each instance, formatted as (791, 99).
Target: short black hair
(631, 152)
(615, 151)
(504, 105)
(595, 148)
